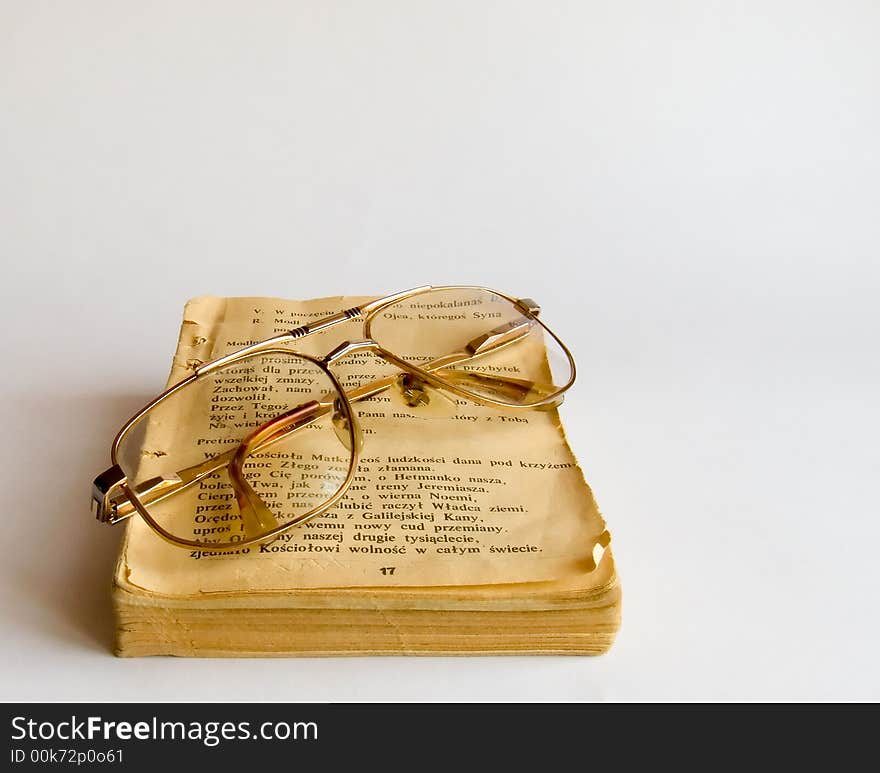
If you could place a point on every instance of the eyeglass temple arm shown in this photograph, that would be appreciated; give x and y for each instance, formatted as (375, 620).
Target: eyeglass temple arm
(112, 508)
(355, 312)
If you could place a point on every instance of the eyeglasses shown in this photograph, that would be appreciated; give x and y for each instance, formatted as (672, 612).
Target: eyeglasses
(261, 440)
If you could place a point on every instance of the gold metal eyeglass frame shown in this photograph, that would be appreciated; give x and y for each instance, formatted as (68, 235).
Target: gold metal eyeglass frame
(114, 500)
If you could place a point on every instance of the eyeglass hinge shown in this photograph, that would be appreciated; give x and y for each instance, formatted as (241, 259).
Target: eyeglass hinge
(529, 306)
(103, 506)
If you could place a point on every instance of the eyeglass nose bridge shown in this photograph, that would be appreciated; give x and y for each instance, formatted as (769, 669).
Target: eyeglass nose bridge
(347, 347)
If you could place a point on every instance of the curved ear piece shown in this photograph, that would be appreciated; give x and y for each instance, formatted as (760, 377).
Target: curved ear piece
(342, 427)
(423, 398)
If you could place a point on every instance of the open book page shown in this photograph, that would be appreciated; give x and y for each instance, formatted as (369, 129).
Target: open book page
(474, 496)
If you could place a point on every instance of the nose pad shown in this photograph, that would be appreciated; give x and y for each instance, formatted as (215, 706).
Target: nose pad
(341, 426)
(422, 398)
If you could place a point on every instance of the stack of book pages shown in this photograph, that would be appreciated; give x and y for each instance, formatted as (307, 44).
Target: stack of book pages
(472, 532)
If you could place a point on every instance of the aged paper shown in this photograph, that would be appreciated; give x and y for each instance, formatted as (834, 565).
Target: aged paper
(475, 497)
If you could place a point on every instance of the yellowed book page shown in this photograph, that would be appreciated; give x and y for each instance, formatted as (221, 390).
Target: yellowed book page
(476, 496)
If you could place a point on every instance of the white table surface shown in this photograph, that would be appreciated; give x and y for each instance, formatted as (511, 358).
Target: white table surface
(690, 190)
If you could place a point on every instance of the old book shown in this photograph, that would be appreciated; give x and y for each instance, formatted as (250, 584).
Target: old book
(470, 532)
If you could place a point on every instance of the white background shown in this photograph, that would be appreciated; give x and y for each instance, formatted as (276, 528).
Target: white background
(690, 189)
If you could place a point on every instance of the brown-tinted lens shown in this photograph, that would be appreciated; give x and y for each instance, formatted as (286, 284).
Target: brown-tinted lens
(186, 461)
(477, 340)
